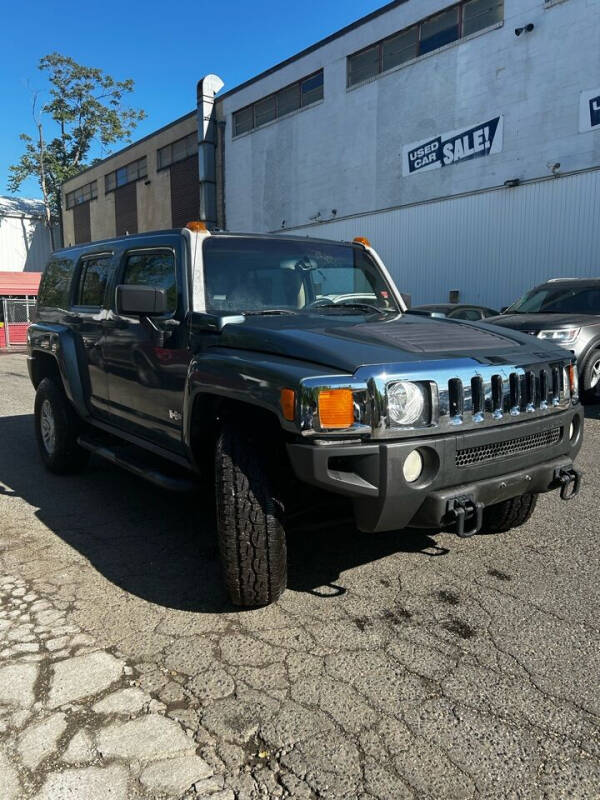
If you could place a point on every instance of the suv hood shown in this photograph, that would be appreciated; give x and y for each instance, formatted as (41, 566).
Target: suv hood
(543, 322)
(346, 343)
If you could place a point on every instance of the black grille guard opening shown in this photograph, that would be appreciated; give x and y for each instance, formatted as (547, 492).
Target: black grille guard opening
(511, 447)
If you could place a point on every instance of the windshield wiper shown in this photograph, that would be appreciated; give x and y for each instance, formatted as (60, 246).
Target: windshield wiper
(358, 306)
(265, 311)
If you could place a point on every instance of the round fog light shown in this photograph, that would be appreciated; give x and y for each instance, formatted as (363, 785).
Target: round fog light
(572, 431)
(413, 466)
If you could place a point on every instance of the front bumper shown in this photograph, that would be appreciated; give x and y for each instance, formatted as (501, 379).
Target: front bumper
(371, 473)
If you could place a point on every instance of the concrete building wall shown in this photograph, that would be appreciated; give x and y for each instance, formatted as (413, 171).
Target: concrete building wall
(153, 198)
(346, 153)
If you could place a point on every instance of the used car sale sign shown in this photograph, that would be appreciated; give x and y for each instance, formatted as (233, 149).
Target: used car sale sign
(589, 111)
(453, 147)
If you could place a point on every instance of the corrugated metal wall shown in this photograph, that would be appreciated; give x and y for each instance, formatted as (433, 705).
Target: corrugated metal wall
(24, 244)
(491, 246)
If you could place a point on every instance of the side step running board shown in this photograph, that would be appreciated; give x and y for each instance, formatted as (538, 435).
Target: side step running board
(124, 457)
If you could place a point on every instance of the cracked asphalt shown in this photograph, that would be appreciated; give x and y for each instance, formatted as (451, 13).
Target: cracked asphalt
(401, 665)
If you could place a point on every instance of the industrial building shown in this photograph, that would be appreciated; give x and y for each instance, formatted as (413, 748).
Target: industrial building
(463, 139)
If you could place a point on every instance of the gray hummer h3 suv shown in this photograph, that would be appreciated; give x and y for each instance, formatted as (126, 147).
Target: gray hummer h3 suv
(270, 362)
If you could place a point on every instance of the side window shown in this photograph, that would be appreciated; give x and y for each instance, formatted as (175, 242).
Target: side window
(153, 269)
(56, 282)
(94, 275)
(471, 314)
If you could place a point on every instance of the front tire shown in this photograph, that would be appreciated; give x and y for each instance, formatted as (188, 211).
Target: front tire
(56, 429)
(249, 521)
(590, 377)
(508, 514)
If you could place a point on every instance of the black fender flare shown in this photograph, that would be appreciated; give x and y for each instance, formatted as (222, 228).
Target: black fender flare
(244, 376)
(60, 343)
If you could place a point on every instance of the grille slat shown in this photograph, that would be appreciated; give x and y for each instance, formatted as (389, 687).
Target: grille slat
(508, 448)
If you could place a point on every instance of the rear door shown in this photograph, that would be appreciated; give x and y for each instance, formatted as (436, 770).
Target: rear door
(85, 318)
(147, 359)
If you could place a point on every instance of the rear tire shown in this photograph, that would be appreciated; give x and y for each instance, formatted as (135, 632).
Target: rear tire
(56, 428)
(590, 378)
(508, 514)
(249, 520)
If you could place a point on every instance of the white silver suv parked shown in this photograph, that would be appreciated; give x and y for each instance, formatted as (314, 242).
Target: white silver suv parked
(565, 311)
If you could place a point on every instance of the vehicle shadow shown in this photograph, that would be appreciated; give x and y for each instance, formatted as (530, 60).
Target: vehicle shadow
(592, 411)
(161, 546)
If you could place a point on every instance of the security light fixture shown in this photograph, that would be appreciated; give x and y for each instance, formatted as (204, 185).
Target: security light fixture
(524, 29)
(512, 182)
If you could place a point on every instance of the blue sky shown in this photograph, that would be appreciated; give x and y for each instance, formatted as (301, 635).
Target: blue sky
(165, 47)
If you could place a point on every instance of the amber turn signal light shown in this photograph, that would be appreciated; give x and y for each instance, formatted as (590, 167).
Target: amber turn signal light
(336, 408)
(362, 240)
(573, 380)
(288, 404)
(196, 226)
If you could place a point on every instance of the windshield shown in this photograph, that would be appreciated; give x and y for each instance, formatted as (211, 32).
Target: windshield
(558, 300)
(248, 275)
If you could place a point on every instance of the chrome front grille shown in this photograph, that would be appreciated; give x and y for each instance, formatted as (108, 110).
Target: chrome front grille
(486, 397)
(511, 447)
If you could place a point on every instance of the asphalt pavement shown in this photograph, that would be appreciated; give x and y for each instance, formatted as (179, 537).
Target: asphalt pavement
(397, 665)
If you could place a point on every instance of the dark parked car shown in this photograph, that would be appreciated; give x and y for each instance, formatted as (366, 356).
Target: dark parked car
(259, 365)
(464, 311)
(565, 311)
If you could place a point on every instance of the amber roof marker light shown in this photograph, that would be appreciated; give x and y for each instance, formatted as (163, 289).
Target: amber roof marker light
(196, 226)
(362, 240)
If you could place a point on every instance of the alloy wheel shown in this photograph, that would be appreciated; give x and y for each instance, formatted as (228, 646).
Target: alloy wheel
(48, 427)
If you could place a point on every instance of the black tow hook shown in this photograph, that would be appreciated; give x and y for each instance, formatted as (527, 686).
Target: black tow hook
(569, 480)
(463, 508)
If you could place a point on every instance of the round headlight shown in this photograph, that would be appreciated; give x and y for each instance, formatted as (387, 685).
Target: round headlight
(413, 466)
(405, 402)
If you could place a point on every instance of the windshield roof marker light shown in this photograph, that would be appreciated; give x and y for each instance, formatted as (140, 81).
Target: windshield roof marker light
(362, 240)
(196, 226)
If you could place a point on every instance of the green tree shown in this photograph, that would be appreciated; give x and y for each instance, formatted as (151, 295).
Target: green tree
(86, 109)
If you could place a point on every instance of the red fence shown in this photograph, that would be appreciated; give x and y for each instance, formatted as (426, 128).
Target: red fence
(16, 313)
(17, 334)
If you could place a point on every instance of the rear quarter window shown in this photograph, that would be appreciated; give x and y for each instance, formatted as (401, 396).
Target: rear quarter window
(54, 291)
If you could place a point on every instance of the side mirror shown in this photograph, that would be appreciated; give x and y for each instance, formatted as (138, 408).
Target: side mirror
(140, 300)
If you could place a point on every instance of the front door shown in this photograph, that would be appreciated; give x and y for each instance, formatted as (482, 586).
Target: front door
(146, 357)
(86, 319)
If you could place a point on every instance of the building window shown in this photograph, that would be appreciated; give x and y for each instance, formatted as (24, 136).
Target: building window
(177, 151)
(127, 174)
(82, 195)
(439, 30)
(297, 95)
(480, 14)
(426, 36)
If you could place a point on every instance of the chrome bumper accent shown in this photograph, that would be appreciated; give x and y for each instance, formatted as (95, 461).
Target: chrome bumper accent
(464, 394)
(467, 395)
